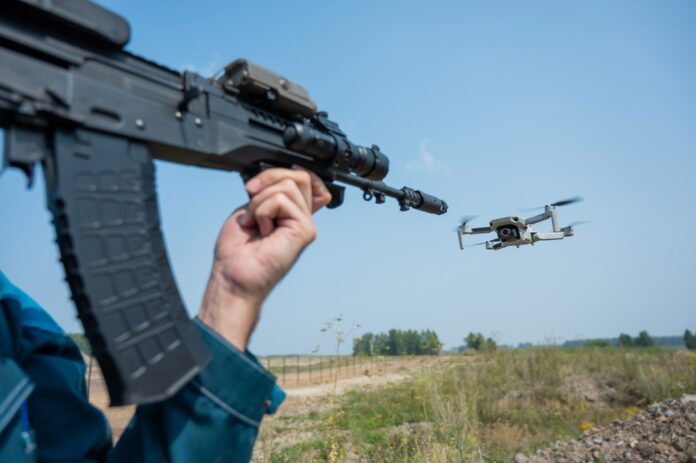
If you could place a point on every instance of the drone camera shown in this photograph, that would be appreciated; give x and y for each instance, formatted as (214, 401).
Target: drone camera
(508, 233)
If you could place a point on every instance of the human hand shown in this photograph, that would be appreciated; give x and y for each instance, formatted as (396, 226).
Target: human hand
(257, 246)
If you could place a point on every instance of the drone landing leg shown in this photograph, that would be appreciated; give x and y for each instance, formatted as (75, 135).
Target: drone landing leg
(554, 220)
(461, 241)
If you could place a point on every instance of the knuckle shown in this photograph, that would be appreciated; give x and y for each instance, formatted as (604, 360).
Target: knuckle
(271, 176)
(287, 184)
(254, 202)
(312, 232)
(303, 177)
(283, 198)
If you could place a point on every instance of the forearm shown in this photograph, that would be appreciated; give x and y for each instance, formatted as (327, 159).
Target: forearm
(231, 315)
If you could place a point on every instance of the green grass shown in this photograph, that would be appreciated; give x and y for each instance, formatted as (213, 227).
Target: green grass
(490, 407)
(312, 450)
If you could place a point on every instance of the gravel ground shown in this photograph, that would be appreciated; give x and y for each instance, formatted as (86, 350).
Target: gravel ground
(663, 432)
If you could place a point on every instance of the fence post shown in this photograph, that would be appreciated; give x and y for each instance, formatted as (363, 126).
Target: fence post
(298, 369)
(309, 363)
(321, 370)
(284, 371)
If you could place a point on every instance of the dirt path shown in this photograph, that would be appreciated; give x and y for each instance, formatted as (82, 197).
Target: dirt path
(303, 399)
(342, 385)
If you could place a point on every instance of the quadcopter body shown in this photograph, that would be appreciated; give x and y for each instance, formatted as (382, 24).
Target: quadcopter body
(518, 231)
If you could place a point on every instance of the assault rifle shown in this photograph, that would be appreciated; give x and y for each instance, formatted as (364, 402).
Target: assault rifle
(95, 116)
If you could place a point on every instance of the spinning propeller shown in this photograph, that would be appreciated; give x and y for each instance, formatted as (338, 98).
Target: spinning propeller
(464, 220)
(572, 224)
(562, 202)
(565, 202)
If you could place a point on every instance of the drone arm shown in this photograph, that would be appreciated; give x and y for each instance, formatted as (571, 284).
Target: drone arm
(539, 218)
(494, 245)
(549, 213)
(479, 230)
(559, 235)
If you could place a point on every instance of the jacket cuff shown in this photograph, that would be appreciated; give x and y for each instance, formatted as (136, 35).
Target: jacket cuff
(15, 388)
(234, 380)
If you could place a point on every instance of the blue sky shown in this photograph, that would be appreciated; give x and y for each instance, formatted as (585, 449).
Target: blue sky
(494, 106)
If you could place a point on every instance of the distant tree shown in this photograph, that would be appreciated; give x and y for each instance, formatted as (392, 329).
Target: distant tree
(689, 340)
(597, 343)
(412, 342)
(475, 341)
(625, 340)
(381, 344)
(431, 343)
(394, 343)
(490, 345)
(364, 344)
(644, 340)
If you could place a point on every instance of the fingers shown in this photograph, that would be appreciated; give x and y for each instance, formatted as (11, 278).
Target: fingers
(286, 187)
(320, 194)
(270, 177)
(312, 188)
(280, 210)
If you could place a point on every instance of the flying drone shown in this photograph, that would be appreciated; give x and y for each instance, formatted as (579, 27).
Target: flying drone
(516, 231)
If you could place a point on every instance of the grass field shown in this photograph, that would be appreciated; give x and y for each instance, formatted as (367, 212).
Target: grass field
(299, 375)
(478, 408)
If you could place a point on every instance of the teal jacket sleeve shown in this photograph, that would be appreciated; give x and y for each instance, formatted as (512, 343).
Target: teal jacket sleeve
(214, 418)
(58, 418)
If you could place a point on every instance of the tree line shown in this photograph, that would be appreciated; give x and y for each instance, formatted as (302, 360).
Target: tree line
(642, 340)
(398, 342)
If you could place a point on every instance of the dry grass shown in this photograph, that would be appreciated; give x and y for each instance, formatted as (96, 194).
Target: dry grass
(490, 408)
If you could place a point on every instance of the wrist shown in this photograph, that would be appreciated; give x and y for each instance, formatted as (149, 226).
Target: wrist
(231, 315)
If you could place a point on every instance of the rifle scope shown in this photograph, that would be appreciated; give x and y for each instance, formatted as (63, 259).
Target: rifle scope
(369, 163)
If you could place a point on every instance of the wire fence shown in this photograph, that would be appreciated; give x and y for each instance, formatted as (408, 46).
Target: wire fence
(302, 370)
(293, 370)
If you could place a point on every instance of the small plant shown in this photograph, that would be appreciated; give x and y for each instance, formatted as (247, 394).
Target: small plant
(334, 449)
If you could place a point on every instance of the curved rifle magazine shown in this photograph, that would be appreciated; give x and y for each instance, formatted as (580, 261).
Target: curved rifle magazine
(101, 192)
